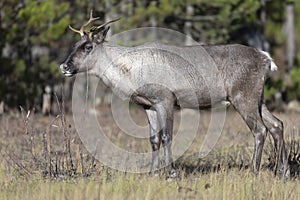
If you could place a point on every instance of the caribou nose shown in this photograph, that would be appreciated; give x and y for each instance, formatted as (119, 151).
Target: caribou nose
(66, 69)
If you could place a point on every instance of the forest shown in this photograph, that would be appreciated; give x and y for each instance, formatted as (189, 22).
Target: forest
(35, 37)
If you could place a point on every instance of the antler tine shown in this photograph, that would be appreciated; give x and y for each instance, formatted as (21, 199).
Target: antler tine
(89, 21)
(102, 25)
(77, 31)
(81, 30)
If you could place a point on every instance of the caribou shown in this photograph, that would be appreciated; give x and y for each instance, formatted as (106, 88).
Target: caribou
(212, 74)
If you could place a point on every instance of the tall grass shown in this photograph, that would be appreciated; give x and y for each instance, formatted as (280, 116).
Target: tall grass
(233, 184)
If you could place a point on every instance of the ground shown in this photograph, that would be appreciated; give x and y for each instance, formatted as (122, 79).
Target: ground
(43, 158)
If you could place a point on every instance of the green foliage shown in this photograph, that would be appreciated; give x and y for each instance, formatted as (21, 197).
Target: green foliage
(47, 26)
(33, 24)
(220, 17)
(271, 87)
(20, 68)
(294, 91)
(274, 31)
(275, 20)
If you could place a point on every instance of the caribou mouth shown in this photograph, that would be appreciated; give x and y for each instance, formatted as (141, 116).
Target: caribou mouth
(68, 74)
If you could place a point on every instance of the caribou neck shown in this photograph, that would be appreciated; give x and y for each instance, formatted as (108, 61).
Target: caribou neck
(107, 62)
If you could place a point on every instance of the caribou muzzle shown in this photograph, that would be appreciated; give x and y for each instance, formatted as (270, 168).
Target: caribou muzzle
(68, 69)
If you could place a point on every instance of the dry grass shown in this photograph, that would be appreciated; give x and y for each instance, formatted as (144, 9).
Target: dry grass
(233, 184)
(46, 160)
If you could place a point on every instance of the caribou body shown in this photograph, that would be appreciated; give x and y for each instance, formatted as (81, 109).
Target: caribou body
(162, 77)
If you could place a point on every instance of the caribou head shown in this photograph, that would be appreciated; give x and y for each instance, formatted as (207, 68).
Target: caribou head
(90, 40)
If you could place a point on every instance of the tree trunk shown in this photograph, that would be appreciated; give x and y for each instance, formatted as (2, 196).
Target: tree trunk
(263, 18)
(153, 22)
(46, 107)
(188, 25)
(108, 16)
(290, 35)
(126, 11)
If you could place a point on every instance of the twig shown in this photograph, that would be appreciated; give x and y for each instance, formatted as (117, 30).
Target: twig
(12, 156)
(66, 140)
(82, 165)
(31, 138)
(25, 119)
(45, 154)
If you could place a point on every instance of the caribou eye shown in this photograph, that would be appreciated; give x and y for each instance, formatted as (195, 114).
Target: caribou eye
(88, 48)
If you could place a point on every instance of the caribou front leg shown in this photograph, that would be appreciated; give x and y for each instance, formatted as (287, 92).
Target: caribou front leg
(165, 111)
(155, 138)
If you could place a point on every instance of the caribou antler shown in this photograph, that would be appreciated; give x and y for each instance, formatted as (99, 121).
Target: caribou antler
(94, 28)
(81, 30)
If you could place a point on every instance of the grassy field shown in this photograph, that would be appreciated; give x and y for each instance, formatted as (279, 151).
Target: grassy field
(43, 158)
(233, 184)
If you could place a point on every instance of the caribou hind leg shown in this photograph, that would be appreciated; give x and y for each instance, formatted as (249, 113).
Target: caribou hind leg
(251, 114)
(259, 131)
(275, 126)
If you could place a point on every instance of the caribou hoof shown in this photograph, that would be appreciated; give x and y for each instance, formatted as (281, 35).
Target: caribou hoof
(171, 175)
(154, 173)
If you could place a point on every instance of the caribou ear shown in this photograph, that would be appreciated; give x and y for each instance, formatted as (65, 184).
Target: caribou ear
(100, 36)
(105, 31)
